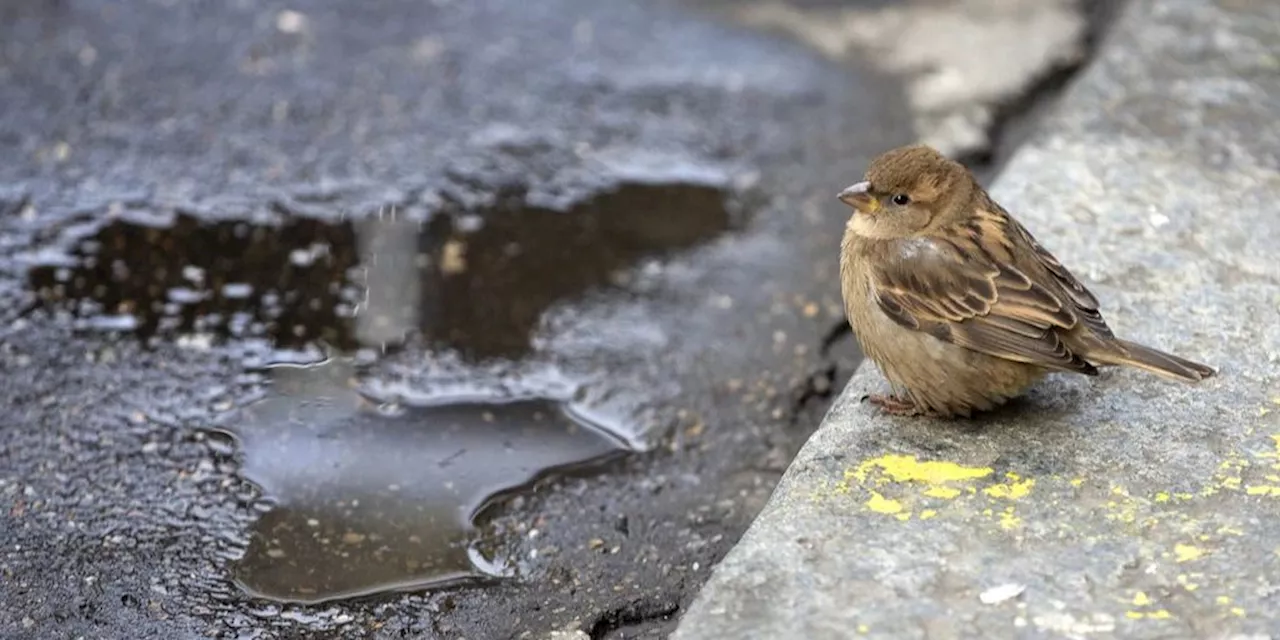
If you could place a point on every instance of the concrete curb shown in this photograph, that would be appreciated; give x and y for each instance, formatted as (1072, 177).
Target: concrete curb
(1118, 507)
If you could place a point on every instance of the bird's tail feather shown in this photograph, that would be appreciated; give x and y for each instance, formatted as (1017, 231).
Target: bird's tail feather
(1167, 365)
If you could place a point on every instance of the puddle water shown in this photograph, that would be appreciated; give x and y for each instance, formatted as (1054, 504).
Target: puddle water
(476, 283)
(228, 279)
(372, 493)
(525, 258)
(371, 496)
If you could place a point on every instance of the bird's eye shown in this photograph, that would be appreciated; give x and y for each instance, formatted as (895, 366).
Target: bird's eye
(902, 199)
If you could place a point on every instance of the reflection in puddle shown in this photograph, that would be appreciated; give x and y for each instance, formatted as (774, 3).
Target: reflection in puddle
(224, 278)
(476, 283)
(524, 258)
(370, 497)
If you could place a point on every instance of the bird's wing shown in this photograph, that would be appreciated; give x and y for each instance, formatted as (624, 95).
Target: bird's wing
(968, 289)
(1082, 300)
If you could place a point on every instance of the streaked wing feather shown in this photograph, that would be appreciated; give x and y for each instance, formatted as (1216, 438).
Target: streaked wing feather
(965, 298)
(1020, 342)
(1084, 301)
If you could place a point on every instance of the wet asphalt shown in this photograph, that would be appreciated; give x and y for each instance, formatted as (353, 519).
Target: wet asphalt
(626, 210)
(144, 137)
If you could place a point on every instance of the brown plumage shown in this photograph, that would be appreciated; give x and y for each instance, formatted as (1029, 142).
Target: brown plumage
(957, 303)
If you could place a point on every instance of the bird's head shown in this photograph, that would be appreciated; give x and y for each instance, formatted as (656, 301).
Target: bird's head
(907, 191)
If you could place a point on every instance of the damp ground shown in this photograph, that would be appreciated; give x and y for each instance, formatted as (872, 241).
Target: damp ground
(377, 487)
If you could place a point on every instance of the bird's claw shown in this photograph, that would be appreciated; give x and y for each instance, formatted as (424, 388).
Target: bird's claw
(892, 405)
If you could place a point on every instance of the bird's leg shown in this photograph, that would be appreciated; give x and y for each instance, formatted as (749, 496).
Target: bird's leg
(893, 405)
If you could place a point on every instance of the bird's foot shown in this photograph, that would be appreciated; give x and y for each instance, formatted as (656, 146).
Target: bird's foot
(893, 405)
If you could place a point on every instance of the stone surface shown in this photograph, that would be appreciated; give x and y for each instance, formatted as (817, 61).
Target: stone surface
(1122, 506)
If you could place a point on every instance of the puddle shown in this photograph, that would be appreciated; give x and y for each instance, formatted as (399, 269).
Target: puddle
(370, 496)
(525, 258)
(226, 279)
(372, 493)
(476, 283)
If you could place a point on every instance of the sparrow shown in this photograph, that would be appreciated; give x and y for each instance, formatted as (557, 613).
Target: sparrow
(958, 305)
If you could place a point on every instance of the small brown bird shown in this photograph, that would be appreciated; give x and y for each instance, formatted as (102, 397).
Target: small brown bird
(956, 303)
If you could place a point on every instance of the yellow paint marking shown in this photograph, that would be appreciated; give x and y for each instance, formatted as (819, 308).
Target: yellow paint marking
(1140, 599)
(1158, 614)
(1008, 520)
(903, 468)
(1263, 490)
(880, 504)
(1187, 553)
(1014, 489)
(941, 480)
(943, 492)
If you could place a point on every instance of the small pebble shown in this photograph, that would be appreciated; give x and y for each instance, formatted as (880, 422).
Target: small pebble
(998, 594)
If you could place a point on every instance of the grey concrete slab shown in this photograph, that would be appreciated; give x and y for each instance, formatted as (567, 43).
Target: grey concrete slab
(1122, 506)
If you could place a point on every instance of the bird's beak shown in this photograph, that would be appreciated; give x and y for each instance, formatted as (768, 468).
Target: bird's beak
(859, 197)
